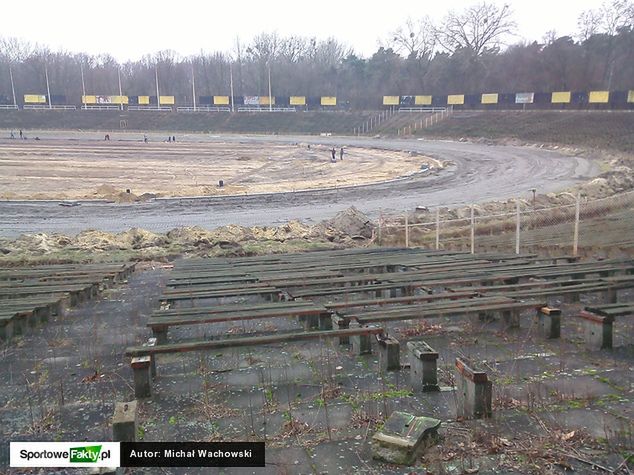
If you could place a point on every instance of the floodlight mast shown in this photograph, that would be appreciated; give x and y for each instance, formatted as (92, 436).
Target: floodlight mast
(193, 87)
(120, 91)
(158, 96)
(48, 88)
(231, 85)
(15, 102)
(83, 85)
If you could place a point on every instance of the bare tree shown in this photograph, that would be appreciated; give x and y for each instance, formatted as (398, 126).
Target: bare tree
(416, 39)
(480, 28)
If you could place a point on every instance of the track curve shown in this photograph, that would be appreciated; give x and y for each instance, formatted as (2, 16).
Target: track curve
(478, 173)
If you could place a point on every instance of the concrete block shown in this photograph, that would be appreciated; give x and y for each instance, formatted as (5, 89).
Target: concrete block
(423, 366)
(597, 330)
(549, 322)
(390, 353)
(124, 422)
(325, 321)
(339, 323)
(511, 318)
(361, 344)
(160, 333)
(473, 391)
(310, 322)
(611, 296)
(142, 380)
(404, 438)
(152, 342)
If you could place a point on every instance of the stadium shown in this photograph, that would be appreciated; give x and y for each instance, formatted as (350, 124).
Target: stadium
(220, 264)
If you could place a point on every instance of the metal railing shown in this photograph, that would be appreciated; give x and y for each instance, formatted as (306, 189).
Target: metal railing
(266, 109)
(151, 108)
(578, 226)
(203, 109)
(9, 106)
(44, 107)
(100, 107)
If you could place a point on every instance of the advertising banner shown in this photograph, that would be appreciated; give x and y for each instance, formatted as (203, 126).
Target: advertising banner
(422, 100)
(455, 99)
(391, 100)
(561, 97)
(490, 98)
(298, 100)
(251, 100)
(167, 101)
(524, 98)
(599, 97)
(328, 101)
(34, 99)
(221, 100)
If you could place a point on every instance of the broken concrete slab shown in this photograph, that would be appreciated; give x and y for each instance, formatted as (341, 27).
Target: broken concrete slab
(403, 437)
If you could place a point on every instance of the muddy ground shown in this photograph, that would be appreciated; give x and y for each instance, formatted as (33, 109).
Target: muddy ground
(476, 173)
(55, 168)
(557, 406)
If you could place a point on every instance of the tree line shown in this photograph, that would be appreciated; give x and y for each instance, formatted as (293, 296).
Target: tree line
(469, 51)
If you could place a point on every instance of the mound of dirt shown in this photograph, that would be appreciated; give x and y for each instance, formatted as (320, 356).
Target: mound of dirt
(137, 238)
(93, 240)
(350, 222)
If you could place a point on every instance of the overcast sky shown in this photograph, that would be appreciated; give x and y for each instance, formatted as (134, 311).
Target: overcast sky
(128, 29)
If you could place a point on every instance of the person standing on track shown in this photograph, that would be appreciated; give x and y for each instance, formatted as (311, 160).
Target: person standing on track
(333, 152)
(341, 154)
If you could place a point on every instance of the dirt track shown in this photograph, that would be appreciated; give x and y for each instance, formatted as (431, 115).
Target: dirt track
(480, 173)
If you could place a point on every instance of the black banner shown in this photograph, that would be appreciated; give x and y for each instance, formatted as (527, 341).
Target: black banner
(192, 454)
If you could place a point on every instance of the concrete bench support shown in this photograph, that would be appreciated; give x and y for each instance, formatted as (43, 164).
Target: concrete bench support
(152, 342)
(511, 318)
(361, 344)
(142, 380)
(549, 322)
(611, 296)
(325, 321)
(339, 323)
(473, 391)
(160, 334)
(390, 353)
(6, 329)
(597, 330)
(309, 322)
(423, 366)
(124, 422)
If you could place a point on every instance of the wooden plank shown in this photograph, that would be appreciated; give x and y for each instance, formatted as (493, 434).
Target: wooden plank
(249, 341)
(451, 311)
(235, 316)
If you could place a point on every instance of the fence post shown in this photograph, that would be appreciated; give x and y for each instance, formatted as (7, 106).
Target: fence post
(472, 231)
(437, 228)
(406, 230)
(575, 241)
(380, 224)
(517, 227)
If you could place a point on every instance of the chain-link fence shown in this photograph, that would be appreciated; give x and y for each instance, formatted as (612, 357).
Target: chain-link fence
(574, 225)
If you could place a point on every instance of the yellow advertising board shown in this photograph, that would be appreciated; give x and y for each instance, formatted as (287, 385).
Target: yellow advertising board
(119, 99)
(34, 99)
(455, 99)
(391, 100)
(328, 101)
(297, 100)
(144, 100)
(89, 99)
(599, 97)
(221, 100)
(422, 100)
(264, 100)
(167, 100)
(490, 98)
(561, 97)
(630, 96)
